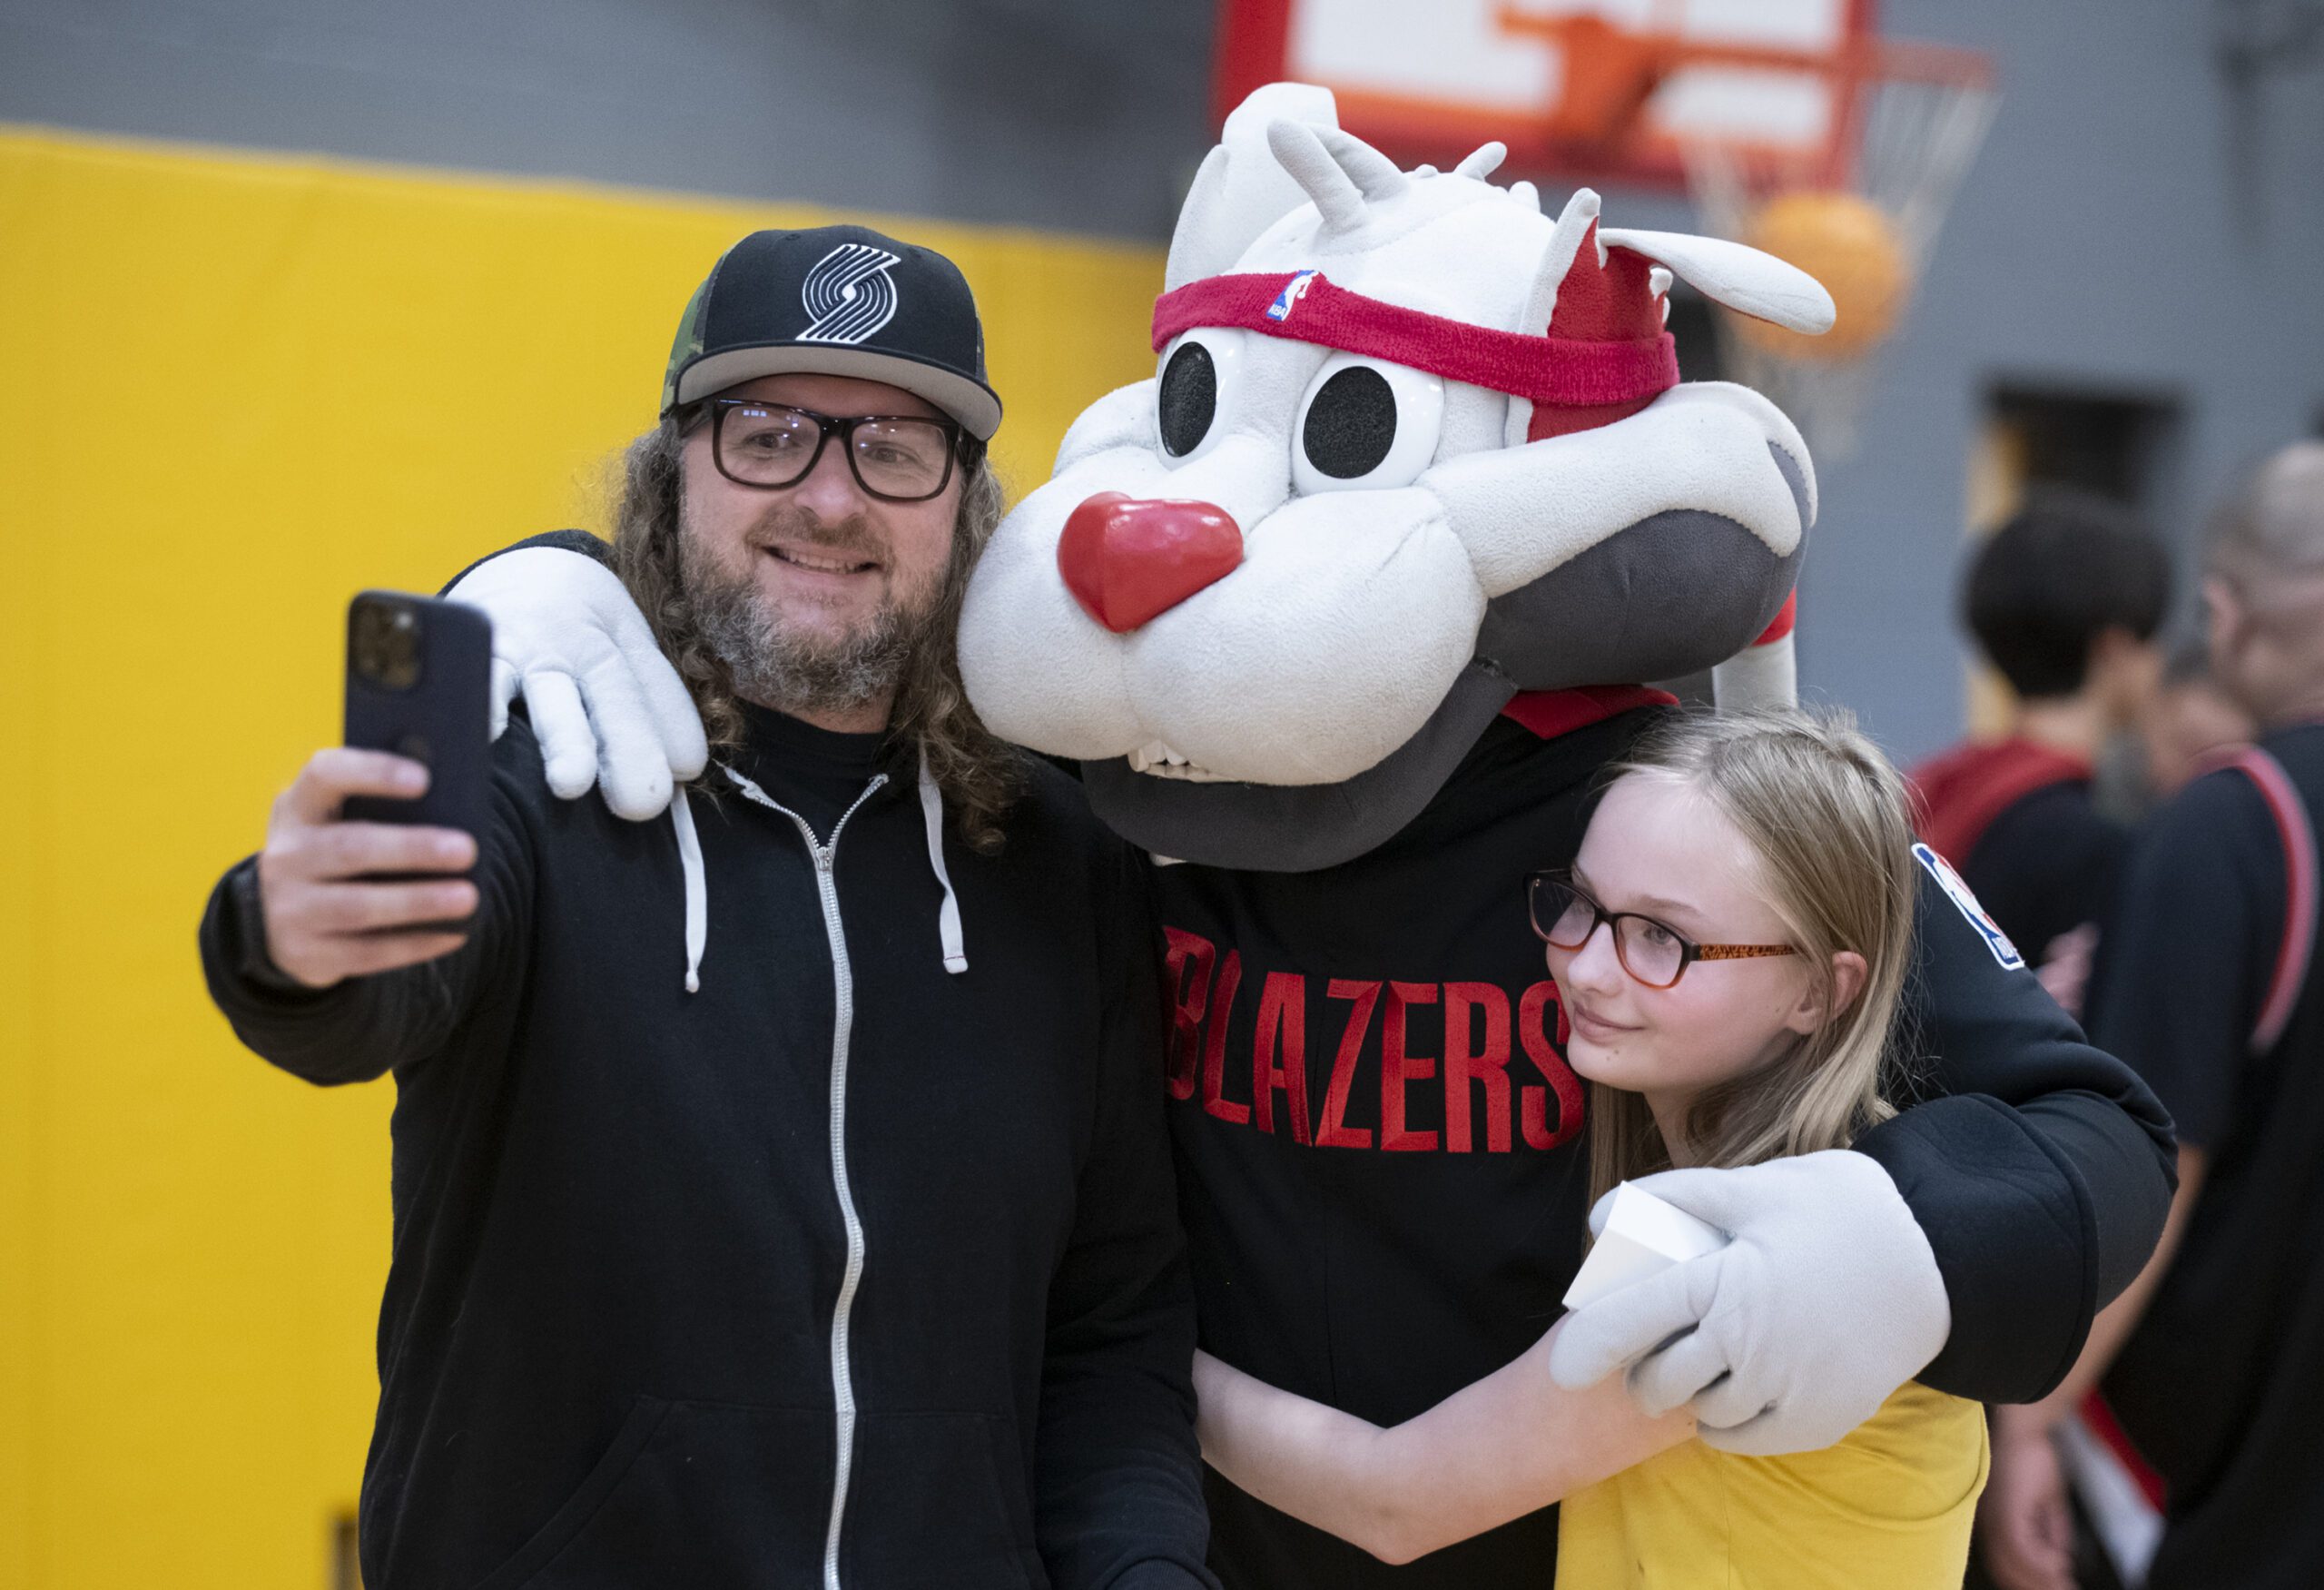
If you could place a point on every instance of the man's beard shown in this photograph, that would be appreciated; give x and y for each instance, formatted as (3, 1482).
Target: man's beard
(777, 666)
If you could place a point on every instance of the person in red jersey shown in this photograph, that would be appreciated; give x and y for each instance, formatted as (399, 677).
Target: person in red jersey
(2065, 601)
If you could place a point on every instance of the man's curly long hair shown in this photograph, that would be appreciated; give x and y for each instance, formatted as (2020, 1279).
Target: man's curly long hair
(980, 774)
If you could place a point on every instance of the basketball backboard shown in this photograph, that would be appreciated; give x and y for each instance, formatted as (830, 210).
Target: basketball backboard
(1601, 89)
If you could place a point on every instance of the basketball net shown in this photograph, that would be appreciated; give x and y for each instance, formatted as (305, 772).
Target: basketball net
(1861, 217)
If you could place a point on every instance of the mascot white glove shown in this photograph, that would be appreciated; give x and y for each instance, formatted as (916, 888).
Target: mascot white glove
(1827, 1300)
(606, 705)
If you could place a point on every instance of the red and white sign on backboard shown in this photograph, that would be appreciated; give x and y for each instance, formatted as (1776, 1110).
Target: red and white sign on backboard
(1604, 89)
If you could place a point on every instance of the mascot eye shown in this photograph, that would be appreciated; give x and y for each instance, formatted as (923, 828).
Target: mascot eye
(1188, 400)
(1200, 375)
(1365, 425)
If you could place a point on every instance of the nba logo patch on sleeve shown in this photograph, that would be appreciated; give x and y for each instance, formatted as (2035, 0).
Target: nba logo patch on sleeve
(1965, 903)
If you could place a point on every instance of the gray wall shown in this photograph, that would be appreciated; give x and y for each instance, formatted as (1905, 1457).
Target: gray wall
(2098, 243)
(1082, 116)
(2107, 239)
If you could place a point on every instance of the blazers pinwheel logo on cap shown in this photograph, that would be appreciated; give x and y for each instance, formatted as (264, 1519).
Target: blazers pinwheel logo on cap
(849, 294)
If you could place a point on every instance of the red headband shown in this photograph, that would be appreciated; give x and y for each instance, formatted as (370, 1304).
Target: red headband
(1303, 307)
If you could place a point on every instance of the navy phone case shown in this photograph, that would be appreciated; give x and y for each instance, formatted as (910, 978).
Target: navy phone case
(418, 683)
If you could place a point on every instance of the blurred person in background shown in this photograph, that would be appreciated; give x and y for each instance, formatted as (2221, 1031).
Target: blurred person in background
(2213, 1359)
(2064, 600)
(2189, 721)
(743, 1234)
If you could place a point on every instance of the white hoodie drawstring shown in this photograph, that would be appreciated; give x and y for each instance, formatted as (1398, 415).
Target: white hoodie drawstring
(697, 887)
(951, 935)
(948, 915)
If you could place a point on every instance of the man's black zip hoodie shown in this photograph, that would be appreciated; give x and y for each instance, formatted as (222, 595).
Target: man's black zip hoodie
(613, 1348)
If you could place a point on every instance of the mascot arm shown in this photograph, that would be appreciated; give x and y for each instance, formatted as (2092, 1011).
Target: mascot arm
(1966, 1243)
(608, 708)
(2040, 1168)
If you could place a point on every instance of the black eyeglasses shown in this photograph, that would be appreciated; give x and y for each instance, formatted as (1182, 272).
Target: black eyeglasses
(897, 458)
(1653, 952)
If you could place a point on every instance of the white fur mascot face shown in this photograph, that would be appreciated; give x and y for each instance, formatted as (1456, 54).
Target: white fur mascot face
(1412, 447)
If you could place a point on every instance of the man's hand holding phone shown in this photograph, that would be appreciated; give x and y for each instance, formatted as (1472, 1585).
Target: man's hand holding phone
(360, 873)
(330, 912)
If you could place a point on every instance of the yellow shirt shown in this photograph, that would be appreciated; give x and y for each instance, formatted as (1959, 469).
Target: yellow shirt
(1891, 1506)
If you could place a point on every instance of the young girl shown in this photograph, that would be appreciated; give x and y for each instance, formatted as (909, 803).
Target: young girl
(1729, 948)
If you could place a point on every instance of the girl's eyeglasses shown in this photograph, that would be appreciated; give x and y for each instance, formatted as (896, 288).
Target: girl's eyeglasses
(1652, 953)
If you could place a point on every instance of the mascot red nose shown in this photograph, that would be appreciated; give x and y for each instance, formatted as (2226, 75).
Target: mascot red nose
(1126, 560)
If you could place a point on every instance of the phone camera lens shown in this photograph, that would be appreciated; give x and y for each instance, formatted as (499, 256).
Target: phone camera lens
(384, 645)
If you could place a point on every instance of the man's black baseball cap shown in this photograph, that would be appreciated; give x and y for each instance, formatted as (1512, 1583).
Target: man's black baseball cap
(835, 300)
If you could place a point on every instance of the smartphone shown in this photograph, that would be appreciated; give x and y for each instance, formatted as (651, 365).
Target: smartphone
(420, 684)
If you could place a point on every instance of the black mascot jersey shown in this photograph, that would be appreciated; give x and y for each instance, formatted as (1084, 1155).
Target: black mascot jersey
(1380, 1143)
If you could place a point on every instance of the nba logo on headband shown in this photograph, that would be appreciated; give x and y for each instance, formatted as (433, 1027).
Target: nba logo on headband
(849, 294)
(1293, 291)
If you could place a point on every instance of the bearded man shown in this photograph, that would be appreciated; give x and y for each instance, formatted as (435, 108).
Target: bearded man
(749, 1229)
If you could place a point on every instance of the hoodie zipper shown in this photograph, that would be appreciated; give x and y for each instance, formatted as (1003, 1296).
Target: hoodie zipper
(843, 1026)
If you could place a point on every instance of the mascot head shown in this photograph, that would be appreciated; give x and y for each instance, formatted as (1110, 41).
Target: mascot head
(1412, 447)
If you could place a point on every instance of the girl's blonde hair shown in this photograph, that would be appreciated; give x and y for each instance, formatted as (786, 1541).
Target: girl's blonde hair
(1825, 815)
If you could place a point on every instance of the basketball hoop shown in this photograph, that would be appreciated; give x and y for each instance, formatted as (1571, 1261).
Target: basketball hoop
(1862, 219)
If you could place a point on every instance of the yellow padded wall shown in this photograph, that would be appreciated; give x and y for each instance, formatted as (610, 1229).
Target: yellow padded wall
(233, 391)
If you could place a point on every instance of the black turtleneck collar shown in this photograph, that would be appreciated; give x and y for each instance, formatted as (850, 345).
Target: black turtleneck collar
(816, 772)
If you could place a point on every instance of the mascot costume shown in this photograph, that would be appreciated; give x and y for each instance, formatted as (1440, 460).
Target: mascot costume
(1343, 615)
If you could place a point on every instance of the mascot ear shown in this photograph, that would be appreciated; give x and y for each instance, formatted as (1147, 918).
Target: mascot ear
(1242, 188)
(1764, 674)
(1742, 277)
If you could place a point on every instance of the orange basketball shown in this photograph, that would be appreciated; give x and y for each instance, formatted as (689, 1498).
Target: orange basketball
(1851, 246)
